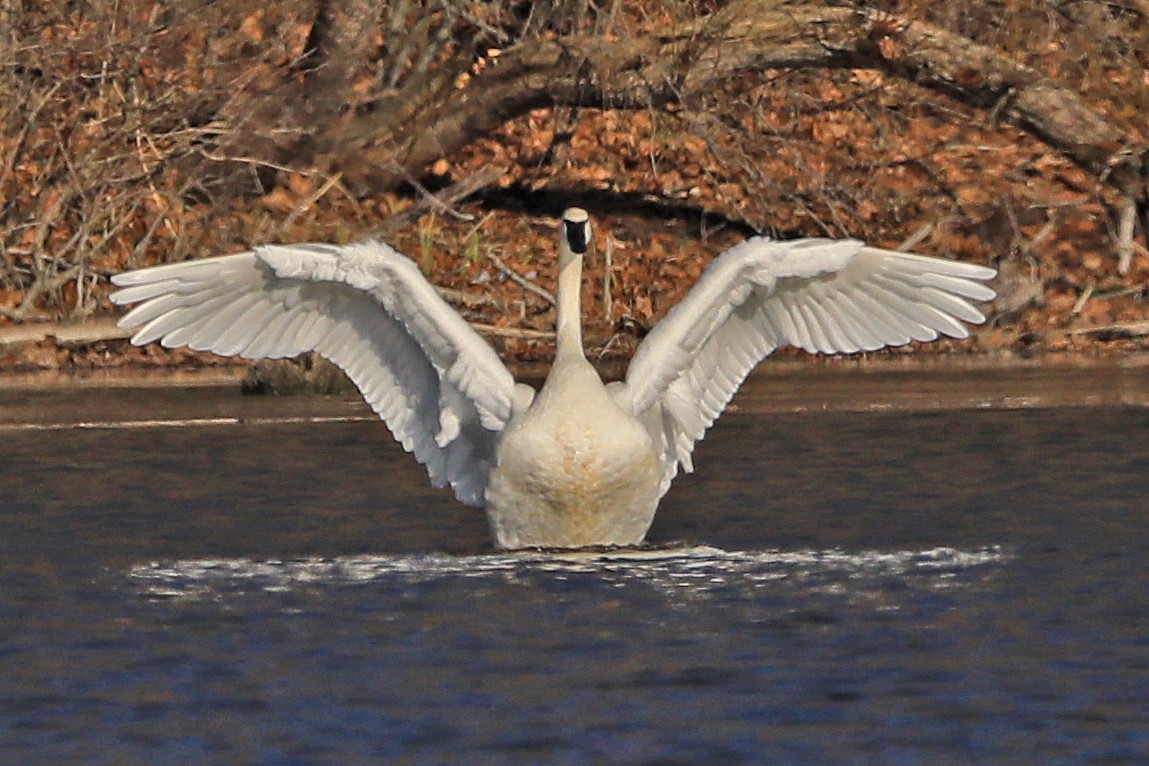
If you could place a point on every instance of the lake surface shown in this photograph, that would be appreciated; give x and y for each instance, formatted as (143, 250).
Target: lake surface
(866, 569)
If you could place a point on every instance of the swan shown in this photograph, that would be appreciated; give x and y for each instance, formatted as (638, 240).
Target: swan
(578, 463)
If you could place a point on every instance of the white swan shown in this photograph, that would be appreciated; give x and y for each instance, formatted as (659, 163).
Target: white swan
(580, 463)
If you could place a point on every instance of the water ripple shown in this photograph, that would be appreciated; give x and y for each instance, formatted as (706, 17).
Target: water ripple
(698, 568)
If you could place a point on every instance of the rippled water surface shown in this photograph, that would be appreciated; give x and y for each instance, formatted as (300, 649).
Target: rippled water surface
(939, 586)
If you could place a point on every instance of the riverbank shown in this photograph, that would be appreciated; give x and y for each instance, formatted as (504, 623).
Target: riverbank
(159, 397)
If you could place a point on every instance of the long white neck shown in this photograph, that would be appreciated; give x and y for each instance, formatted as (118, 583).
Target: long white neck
(569, 325)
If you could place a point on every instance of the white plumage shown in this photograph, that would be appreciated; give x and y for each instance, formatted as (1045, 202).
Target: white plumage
(581, 463)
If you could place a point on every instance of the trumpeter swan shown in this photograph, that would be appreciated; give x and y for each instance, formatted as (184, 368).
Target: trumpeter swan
(580, 463)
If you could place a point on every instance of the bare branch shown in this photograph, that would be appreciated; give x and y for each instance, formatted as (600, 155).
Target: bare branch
(750, 35)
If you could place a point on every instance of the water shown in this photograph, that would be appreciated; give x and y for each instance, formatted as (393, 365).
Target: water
(941, 586)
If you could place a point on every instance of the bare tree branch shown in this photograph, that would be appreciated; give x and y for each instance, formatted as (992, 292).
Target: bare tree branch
(439, 115)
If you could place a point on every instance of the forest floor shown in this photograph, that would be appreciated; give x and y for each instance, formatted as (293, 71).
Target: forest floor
(828, 153)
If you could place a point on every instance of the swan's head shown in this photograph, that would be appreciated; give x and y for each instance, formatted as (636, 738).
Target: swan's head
(574, 233)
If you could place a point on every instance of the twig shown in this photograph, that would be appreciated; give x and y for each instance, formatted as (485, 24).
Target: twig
(1124, 292)
(444, 198)
(432, 199)
(1128, 330)
(312, 198)
(145, 241)
(522, 281)
(513, 332)
(39, 287)
(1041, 235)
(17, 146)
(607, 302)
(606, 347)
(916, 238)
(1140, 7)
(468, 300)
(1080, 304)
(475, 229)
(86, 332)
(1125, 234)
(256, 161)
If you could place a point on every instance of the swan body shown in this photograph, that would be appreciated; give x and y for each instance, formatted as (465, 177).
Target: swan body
(580, 463)
(574, 470)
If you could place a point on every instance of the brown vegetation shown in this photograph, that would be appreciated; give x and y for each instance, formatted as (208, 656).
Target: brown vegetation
(1010, 132)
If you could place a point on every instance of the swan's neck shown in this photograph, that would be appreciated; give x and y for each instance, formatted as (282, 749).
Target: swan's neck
(569, 325)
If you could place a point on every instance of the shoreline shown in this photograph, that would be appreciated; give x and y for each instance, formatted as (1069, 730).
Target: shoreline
(125, 397)
(783, 363)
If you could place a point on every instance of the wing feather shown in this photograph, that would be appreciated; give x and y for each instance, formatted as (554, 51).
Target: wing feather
(823, 296)
(863, 329)
(845, 333)
(441, 390)
(891, 329)
(220, 314)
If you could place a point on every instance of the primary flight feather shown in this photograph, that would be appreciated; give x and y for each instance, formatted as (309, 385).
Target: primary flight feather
(579, 463)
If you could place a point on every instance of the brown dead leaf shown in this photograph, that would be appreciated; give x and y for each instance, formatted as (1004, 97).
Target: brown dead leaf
(252, 27)
(278, 200)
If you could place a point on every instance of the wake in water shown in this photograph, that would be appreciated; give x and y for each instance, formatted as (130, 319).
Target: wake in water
(699, 569)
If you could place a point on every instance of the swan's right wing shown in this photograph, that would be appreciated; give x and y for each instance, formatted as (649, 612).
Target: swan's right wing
(824, 296)
(439, 387)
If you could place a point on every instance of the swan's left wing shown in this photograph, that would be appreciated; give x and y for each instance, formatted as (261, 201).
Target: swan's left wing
(438, 386)
(824, 296)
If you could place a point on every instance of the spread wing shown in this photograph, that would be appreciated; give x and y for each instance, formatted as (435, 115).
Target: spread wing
(434, 381)
(823, 296)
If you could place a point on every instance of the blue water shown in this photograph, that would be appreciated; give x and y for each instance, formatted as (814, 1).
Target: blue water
(946, 587)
